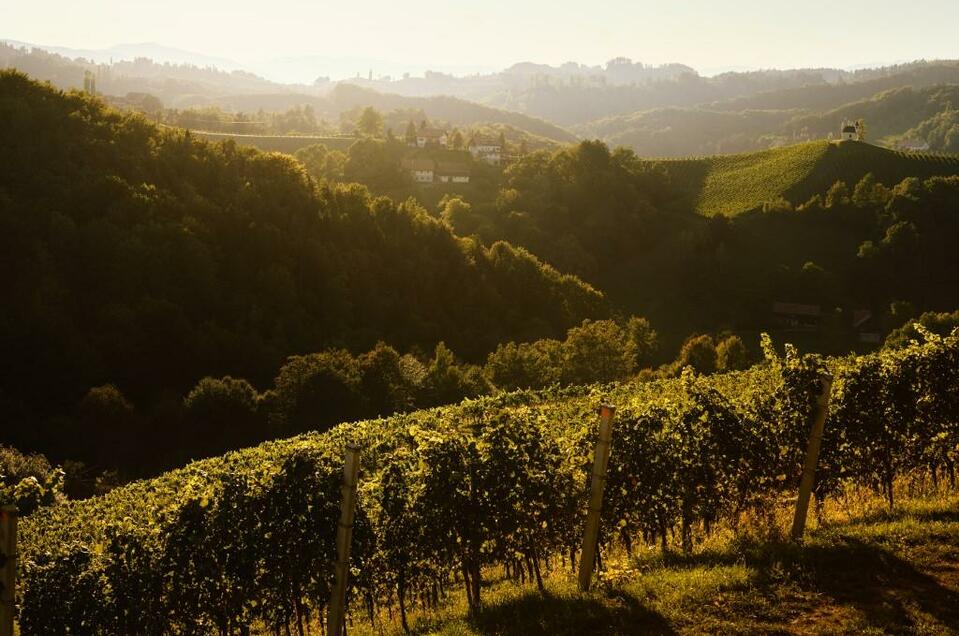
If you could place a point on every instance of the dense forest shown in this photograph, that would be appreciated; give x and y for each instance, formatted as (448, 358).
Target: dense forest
(147, 259)
(625, 226)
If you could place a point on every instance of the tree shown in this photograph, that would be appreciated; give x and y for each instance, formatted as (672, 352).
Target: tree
(457, 213)
(322, 163)
(941, 324)
(643, 341)
(410, 133)
(698, 352)
(861, 129)
(731, 354)
(376, 164)
(837, 195)
(447, 382)
(456, 141)
(223, 413)
(315, 391)
(370, 122)
(526, 365)
(597, 351)
(389, 381)
(106, 424)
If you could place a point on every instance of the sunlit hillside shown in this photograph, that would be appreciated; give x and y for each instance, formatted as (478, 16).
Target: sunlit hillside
(733, 184)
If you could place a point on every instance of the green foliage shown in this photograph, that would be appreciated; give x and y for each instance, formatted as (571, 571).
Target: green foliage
(734, 184)
(321, 162)
(940, 323)
(28, 481)
(595, 352)
(731, 354)
(222, 412)
(699, 353)
(495, 481)
(370, 122)
(163, 259)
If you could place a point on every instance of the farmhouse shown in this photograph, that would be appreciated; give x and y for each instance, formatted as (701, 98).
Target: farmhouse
(427, 137)
(488, 149)
(422, 170)
(453, 173)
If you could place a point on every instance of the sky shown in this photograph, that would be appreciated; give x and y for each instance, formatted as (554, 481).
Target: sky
(485, 35)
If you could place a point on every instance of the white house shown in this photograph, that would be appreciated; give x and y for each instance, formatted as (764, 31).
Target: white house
(422, 170)
(453, 173)
(488, 149)
(849, 131)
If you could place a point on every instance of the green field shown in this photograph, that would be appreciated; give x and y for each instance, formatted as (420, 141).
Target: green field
(732, 184)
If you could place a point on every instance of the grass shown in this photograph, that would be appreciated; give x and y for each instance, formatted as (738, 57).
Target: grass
(733, 184)
(871, 572)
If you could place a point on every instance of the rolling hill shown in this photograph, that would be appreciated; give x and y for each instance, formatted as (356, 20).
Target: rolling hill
(894, 107)
(733, 184)
(185, 86)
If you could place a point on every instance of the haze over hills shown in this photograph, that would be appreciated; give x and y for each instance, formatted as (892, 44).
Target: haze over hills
(129, 52)
(668, 110)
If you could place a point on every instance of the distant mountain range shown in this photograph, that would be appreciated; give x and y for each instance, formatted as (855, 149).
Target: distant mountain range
(131, 51)
(302, 69)
(668, 110)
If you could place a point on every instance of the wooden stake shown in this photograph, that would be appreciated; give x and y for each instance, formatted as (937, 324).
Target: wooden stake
(812, 458)
(600, 462)
(344, 536)
(8, 568)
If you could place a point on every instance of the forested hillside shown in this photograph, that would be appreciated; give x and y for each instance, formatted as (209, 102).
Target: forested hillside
(845, 225)
(149, 259)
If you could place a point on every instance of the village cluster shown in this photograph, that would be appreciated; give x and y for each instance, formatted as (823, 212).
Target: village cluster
(429, 170)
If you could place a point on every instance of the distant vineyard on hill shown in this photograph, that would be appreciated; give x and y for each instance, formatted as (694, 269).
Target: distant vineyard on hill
(733, 184)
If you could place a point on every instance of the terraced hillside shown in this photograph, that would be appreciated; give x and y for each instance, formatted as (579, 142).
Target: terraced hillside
(733, 184)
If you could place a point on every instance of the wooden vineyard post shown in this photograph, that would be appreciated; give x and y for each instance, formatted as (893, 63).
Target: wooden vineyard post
(598, 483)
(812, 458)
(8, 568)
(344, 536)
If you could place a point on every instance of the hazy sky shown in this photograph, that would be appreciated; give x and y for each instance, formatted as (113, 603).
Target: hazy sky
(495, 33)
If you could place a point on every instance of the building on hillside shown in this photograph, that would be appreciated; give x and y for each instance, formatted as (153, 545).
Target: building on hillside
(452, 173)
(430, 137)
(849, 131)
(488, 149)
(421, 170)
(796, 316)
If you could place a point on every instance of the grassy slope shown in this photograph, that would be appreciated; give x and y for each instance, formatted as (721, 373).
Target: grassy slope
(871, 573)
(732, 184)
